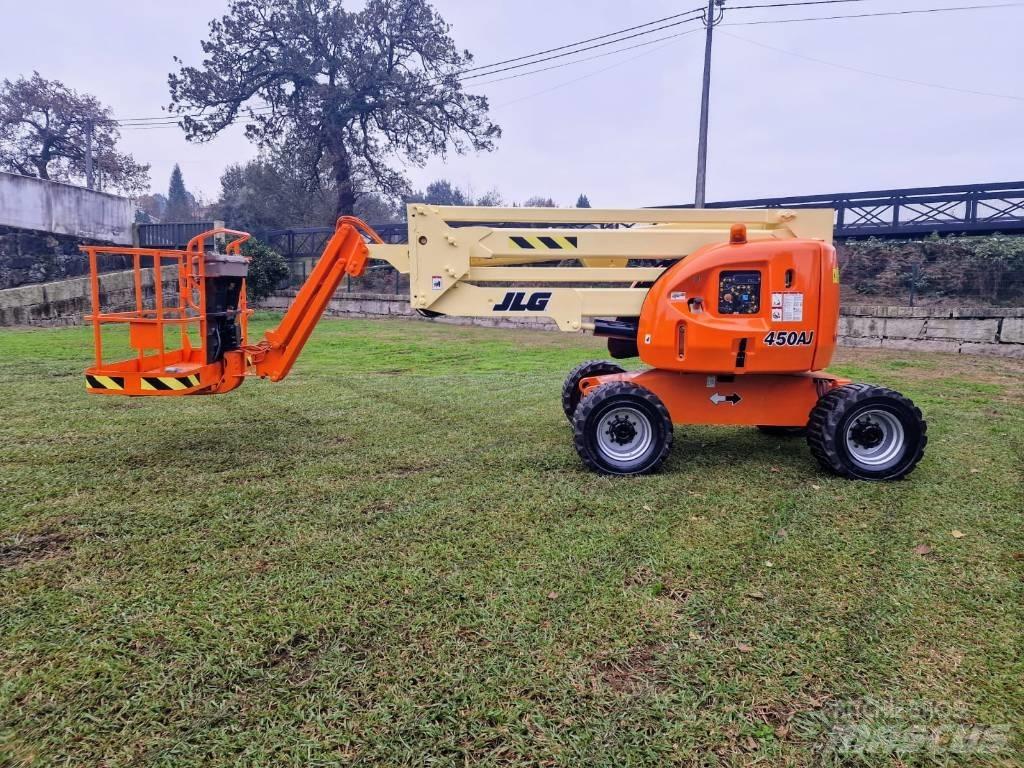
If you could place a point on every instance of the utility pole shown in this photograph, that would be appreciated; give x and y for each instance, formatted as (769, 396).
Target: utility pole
(702, 146)
(88, 153)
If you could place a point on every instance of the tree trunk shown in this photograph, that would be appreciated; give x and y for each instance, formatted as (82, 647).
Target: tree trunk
(341, 163)
(42, 161)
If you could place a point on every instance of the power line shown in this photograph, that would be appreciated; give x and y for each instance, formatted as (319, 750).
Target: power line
(875, 74)
(170, 120)
(584, 50)
(589, 58)
(163, 119)
(597, 71)
(593, 39)
(872, 14)
(786, 5)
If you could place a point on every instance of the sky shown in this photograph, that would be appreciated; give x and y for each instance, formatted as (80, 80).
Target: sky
(789, 113)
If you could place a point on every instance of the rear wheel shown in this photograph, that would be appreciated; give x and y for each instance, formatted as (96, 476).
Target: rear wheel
(868, 433)
(571, 387)
(622, 429)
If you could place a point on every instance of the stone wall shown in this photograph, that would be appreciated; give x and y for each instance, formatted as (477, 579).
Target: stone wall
(66, 302)
(37, 257)
(985, 330)
(993, 331)
(967, 330)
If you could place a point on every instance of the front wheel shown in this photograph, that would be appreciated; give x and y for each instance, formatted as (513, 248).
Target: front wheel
(571, 388)
(622, 429)
(865, 432)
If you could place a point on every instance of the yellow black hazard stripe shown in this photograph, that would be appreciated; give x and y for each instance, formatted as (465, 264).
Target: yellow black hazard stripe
(543, 242)
(169, 383)
(115, 383)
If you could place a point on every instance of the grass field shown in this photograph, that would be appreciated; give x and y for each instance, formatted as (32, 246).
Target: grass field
(395, 557)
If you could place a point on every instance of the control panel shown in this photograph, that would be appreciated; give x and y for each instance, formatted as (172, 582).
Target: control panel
(739, 292)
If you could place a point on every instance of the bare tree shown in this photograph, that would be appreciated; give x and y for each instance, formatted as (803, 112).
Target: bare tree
(346, 94)
(43, 126)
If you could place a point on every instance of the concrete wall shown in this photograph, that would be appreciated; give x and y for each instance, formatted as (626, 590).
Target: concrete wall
(66, 302)
(63, 209)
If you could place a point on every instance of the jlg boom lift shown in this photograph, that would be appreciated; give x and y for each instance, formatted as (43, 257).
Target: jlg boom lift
(734, 312)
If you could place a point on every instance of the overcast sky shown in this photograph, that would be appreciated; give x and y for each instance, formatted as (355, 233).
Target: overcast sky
(622, 128)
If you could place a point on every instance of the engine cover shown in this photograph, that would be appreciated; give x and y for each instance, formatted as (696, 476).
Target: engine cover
(767, 306)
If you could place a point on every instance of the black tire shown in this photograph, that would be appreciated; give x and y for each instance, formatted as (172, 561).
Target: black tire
(865, 432)
(571, 387)
(782, 431)
(622, 429)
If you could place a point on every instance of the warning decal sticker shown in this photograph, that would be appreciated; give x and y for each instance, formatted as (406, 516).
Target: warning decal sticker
(792, 308)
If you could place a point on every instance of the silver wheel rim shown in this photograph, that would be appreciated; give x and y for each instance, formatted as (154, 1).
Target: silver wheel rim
(624, 434)
(874, 438)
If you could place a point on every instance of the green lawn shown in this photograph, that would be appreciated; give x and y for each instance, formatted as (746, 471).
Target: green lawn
(395, 557)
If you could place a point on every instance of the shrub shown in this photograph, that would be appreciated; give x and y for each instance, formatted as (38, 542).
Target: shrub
(267, 269)
(980, 268)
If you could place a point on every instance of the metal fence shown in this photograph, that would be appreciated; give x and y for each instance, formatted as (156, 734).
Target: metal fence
(916, 211)
(301, 242)
(172, 234)
(302, 246)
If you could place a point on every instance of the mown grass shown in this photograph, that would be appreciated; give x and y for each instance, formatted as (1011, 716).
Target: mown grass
(395, 557)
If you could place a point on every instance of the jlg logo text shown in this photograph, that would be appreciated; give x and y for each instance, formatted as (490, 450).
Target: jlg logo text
(516, 301)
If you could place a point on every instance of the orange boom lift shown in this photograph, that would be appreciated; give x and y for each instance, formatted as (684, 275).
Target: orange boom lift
(734, 312)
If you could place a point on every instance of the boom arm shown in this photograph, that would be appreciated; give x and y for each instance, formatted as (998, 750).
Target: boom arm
(463, 264)
(346, 254)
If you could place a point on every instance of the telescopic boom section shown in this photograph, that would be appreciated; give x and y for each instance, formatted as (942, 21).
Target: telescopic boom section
(346, 254)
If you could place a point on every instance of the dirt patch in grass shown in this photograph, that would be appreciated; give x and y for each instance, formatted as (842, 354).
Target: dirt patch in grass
(662, 586)
(635, 673)
(22, 548)
(779, 716)
(934, 366)
(299, 654)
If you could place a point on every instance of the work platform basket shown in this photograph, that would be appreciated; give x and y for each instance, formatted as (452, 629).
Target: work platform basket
(184, 310)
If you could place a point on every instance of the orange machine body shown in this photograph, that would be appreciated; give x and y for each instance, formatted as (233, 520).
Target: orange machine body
(744, 307)
(781, 400)
(739, 332)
